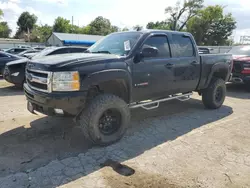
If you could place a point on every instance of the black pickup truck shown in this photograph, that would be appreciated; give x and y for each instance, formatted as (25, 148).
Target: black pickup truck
(121, 71)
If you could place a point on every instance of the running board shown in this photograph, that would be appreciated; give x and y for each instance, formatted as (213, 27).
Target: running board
(145, 105)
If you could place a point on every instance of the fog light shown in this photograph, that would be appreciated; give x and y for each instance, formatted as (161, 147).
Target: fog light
(58, 111)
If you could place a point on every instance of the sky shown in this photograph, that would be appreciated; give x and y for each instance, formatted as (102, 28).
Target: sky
(123, 13)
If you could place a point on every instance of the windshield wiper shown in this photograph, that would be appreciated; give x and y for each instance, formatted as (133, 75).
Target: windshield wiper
(102, 52)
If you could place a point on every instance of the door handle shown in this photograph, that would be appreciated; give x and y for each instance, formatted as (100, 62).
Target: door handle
(169, 65)
(194, 63)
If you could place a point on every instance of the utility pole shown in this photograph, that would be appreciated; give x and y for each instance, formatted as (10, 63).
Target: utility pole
(72, 20)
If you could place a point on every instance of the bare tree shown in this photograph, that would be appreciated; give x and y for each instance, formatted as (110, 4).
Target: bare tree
(182, 13)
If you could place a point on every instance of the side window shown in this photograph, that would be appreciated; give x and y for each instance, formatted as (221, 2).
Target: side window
(183, 46)
(3, 55)
(19, 50)
(11, 51)
(77, 50)
(60, 51)
(159, 42)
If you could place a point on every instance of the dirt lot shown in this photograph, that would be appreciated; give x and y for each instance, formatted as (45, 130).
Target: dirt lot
(177, 145)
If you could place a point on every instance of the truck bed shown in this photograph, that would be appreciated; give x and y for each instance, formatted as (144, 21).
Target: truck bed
(208, 61)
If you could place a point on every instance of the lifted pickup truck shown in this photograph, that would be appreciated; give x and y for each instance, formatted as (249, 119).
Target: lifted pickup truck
(122, 71)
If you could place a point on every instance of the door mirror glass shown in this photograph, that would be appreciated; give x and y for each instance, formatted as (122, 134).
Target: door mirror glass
(149, 52)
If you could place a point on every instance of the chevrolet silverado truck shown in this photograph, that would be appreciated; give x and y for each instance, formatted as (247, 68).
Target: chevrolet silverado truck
(122, 71)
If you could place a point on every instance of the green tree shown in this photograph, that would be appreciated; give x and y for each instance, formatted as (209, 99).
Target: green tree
(5, 30)
(158, 25)
(180, 14)
(61, 25)
(86, 30)
(45, 31)
(114, 28)
(138, 28)
(211, 26)
(125, 29)
(26, 22)
(1, 13)
(75, 29)
(100, 26)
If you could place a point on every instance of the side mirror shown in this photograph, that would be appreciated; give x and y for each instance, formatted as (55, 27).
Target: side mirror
(149, 52)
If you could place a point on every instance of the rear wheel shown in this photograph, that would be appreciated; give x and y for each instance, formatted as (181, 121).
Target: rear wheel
(105, 119)
(214, 96)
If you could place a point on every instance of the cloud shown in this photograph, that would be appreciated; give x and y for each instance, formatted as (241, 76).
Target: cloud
(121, 13)
(11, 7)
(15, 1)
(125, 13)
(60, 2)
(12, 10)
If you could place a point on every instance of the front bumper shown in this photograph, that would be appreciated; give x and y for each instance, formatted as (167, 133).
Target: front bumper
(240, 78)
(70, 103)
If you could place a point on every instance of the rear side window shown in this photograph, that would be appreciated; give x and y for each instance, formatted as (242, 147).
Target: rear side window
(60, 51)
(3, 55)
(183, 46)
(18, 50)
(77, 50)
(159, 42)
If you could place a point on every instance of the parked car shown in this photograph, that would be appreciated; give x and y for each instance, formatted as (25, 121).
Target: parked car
(24, 46)
(5, 58)
(39, 48)
(15, 70)
(16, 50)
(241, 66)
(23, 54)
(121, 71)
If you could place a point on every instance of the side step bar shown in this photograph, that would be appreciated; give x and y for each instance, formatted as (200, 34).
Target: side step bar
(155, 104)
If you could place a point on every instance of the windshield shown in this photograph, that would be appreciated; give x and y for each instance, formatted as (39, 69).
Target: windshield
(240, 50)
(43, 53)
(116, 43)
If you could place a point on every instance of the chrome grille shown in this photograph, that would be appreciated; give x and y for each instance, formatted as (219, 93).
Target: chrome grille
(39, 80)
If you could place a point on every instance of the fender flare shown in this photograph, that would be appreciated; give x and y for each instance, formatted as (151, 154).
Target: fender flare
(99, 77)
(218, 67)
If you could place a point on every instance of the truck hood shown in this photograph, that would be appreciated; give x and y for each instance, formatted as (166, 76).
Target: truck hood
(73, 59)
(243, 58)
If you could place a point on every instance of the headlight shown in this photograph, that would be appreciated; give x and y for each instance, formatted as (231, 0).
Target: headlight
(66, 81)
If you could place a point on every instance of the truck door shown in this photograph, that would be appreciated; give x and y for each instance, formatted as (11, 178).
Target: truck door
(186, 63)
(152, 76)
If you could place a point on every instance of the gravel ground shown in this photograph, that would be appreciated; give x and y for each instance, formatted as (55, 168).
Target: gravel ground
(180, 144)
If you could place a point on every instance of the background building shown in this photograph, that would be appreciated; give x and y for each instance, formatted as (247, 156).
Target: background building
(62, 39)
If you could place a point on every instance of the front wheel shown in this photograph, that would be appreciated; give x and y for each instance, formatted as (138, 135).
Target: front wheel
(214, 96)
(105, 119)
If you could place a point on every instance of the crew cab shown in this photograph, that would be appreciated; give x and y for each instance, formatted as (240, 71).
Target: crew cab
(14, 71)
(122, 71)
(241, 66)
